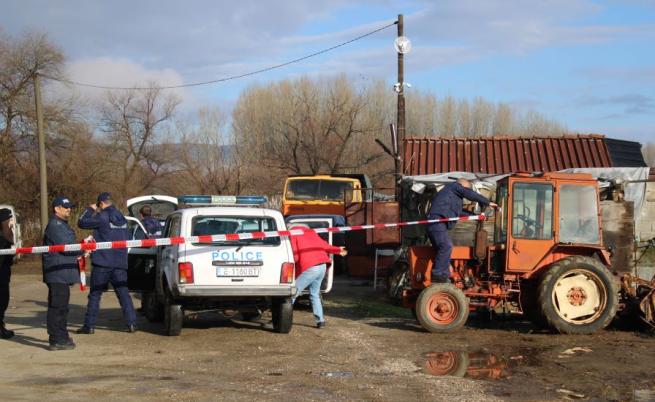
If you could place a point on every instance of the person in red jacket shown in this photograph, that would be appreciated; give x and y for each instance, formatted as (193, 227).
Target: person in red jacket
(310, 254)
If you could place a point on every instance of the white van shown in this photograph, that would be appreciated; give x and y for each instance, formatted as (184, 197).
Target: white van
(245, 275)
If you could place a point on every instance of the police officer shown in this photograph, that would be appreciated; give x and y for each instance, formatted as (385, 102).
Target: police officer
(60, 271)
(110, 265)
(152, 226)
(448, 203)
(6, 241)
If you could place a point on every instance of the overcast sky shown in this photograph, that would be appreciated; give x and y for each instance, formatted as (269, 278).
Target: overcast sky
(588, 64)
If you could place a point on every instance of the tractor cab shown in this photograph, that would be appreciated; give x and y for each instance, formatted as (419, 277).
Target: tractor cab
(542, 217)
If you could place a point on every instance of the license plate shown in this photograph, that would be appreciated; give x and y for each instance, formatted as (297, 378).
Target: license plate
(237, 271)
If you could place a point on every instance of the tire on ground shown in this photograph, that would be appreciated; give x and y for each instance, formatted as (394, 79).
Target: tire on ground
(282, 312)
(442, 308)
(566, 288)
(173, 316)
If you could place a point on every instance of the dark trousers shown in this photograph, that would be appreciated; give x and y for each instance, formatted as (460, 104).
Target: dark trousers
(57, 316)
(443, 247)
(5, 277)
(100, 277)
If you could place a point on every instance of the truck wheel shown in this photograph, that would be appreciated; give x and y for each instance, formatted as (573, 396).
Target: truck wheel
(173, 316)
(577, 295)
(152, 308)
(282, 311)
(442, 308)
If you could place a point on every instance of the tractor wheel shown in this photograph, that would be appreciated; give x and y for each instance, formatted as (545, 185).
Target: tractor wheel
(396, 281)
(577, 295)
(442, 308)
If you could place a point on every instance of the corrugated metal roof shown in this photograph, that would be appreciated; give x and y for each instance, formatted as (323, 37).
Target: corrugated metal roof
(625, 153)
(498, 155)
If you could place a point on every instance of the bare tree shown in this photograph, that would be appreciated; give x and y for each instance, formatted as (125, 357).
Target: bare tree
(648, 150)
(209, 162)
(306, 127)
(134, 121)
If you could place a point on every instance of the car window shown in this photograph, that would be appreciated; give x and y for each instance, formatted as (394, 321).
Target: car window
(213, 225)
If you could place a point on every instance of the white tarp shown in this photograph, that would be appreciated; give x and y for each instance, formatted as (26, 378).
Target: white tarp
(635, 192)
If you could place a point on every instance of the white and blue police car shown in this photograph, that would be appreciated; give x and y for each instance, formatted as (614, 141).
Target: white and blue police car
(248, 275)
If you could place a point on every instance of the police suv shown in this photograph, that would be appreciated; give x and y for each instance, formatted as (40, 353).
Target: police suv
(247, 276)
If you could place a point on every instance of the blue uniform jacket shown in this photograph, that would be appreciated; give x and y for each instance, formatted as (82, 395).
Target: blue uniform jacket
(447, 203)
(60, 267)
(152, 226)
(108, 225)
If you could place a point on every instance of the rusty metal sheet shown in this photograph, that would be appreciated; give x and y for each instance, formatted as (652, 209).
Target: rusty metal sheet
(498, 155)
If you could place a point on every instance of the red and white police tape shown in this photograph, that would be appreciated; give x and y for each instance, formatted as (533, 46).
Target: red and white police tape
(90, 246)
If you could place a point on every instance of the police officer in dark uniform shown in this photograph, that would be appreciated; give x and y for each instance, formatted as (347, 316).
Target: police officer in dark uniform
(448, 203)
(109, 265)
(60, 271)
(152, 225)
(6, 241)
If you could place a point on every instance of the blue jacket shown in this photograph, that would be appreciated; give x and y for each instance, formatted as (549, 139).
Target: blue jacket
(60, 267)
(152, 226)
(447, 203)
(108, 225)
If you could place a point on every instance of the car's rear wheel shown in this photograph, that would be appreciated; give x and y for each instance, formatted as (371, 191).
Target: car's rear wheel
(173, 316)
(282, 311)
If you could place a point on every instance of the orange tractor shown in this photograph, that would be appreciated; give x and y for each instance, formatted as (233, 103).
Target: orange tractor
(547, 261)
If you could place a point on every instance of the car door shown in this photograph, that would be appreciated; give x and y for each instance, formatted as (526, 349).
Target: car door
(140, 261)
(168, 255)
(316, 223)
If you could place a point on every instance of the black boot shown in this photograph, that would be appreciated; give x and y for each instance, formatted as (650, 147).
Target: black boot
(4, 332)
(440, 279)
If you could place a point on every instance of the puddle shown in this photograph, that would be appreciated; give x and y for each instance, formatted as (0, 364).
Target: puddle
(475, 365)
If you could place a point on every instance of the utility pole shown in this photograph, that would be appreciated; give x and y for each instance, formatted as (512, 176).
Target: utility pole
(400, 113)
(43, 176)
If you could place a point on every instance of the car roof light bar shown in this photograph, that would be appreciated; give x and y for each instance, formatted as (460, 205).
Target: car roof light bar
(222, 199)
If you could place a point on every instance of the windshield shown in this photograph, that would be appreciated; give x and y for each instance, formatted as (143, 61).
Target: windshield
(321, 190)
(578, 214)
(211, 225)
(160, 209)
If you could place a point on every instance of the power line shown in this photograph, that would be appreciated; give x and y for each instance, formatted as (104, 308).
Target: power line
(229, 78)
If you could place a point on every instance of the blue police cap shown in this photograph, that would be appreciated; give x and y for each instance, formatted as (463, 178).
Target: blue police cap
(62, 202)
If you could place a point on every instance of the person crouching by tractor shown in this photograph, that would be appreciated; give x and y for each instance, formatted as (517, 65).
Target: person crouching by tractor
(448, 203)
(310, 254)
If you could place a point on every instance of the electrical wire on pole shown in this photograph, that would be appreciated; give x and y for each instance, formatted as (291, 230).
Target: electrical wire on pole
(224, 79)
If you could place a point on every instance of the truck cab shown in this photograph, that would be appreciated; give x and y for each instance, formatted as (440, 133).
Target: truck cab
(319, 194)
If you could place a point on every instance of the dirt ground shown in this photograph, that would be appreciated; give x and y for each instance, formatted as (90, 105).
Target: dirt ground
(369, 350)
